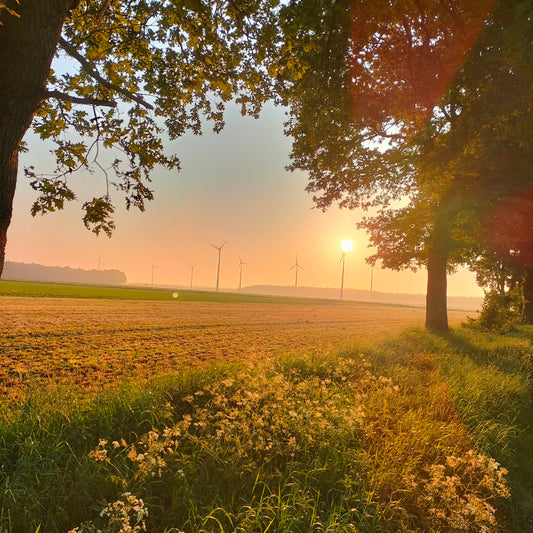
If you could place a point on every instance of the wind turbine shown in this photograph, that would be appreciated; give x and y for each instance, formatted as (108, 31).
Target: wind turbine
(346, 246)
(297, 267)
(241, 262)
(153, 270)
(219, 248)
(192, 273)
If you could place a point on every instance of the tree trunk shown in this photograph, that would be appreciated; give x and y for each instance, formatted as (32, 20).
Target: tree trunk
(27, 47)
(8, 177)
(527, 291)
(436, 305)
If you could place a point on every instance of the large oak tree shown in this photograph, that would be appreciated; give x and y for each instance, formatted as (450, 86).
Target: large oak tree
(397, 112)
(491, 146)
(128, 73)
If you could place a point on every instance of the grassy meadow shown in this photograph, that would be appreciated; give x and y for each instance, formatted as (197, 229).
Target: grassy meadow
(130, 415)
(122, 292)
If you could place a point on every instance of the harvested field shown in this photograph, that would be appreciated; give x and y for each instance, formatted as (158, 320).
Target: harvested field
(95, 343)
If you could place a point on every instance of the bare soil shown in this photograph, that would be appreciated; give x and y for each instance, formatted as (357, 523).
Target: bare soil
(95, 343)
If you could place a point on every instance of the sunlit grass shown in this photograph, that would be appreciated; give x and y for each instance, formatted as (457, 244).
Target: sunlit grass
(74, 290)
(490, 379)
(370, 439)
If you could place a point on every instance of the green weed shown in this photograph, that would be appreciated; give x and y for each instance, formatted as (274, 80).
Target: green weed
(74, 290)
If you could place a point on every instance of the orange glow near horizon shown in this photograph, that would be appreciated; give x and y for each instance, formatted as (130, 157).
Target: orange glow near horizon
(232, 187)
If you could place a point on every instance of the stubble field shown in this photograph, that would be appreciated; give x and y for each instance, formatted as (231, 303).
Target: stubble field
(346, 420)
(95, 343)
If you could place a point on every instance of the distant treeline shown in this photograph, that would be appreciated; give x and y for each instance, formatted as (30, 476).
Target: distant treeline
(35, 272)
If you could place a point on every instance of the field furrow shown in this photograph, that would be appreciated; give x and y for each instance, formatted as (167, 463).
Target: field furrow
(95, 343)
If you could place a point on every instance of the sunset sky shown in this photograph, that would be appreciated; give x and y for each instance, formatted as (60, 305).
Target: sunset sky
(232, 187)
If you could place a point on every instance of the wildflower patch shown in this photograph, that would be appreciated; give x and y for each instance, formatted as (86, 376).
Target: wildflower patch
(286, 445)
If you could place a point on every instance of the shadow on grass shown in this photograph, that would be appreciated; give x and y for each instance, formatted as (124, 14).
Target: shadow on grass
(496, 349)
(490, 378)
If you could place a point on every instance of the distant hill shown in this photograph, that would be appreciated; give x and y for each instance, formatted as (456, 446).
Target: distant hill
(35, 272)
(454, 302)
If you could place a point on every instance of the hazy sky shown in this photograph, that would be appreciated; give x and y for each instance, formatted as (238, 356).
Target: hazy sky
(232, 187)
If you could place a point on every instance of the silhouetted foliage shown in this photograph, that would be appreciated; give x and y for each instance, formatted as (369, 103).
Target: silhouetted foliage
(425, 102)
(500, 313)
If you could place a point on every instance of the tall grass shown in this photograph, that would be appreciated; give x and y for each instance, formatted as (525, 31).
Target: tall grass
(490, 379)
(366, 440)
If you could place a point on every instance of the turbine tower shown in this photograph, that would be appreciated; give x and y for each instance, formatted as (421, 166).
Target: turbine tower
(192, 273)
(153, 270)
(346, 246)
(241, 262)
(297, 267)
(343, 259)
(219, 248)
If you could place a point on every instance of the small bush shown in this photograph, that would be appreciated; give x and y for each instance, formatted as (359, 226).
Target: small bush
(500, 313)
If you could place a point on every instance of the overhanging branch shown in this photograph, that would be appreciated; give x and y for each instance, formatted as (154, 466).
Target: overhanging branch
(79, 100)
(102, 11)
(71, 51)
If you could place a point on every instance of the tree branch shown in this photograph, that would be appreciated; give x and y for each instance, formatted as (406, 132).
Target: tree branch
(71, 51)
(102, 11)
(78, 100)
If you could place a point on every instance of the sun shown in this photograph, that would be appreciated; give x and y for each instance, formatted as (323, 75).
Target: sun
(346, 245)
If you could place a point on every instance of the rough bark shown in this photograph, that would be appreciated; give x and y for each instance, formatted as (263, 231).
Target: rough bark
(527, 291)
(27, 46)
(436, 304)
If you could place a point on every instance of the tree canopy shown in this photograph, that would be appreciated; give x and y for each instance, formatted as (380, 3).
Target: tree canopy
(425, 116)
(125, 76)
